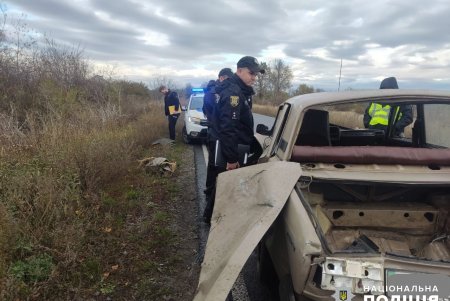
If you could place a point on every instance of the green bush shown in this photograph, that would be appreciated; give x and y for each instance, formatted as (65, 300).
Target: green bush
(33, 269)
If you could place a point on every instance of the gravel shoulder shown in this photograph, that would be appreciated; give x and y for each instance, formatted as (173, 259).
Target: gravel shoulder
(184, 209)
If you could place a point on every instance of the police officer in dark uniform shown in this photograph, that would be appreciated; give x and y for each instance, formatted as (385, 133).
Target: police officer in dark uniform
(171, 108)
(233, 117)
(210, 101)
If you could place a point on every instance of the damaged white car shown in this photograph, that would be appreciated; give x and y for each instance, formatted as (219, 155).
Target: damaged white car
(335, 210)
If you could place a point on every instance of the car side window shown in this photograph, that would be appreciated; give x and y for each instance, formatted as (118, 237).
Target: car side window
(437, 124)
(278, 128)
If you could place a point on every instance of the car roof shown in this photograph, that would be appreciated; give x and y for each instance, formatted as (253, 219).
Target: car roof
(379, 95)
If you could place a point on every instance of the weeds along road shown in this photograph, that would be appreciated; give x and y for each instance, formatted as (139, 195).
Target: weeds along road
(247, 286)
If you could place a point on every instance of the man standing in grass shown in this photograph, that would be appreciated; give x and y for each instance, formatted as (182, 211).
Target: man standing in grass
(171, 108)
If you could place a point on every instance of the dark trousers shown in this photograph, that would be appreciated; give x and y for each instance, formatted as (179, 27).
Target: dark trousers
(211, 178)
(211, 171)
(172, 123)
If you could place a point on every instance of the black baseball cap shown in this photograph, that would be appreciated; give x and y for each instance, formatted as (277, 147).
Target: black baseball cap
(251, 63)
(225, 71)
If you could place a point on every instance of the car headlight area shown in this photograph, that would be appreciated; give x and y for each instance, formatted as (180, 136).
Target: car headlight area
(195, 120)
(353, 274)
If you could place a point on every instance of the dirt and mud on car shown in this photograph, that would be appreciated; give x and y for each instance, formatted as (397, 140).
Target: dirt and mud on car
(337, 210)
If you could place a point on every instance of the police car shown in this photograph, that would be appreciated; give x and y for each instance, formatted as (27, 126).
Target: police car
(194, 118)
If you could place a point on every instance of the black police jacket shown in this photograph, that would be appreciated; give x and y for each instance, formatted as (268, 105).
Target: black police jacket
(210, 101)
(171, 99)
(234, 118)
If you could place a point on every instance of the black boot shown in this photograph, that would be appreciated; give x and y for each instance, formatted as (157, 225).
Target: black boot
(208, 210)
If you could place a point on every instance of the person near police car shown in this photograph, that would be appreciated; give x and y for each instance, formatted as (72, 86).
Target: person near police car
(210, 100)
(233, 118)
(376, 115)
(171, 108)
(234, 114)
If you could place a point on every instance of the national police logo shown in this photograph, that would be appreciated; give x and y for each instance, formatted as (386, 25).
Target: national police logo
(234, 101)
(343, 295)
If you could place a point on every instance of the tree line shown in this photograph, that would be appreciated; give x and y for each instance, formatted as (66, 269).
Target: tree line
(273, 87)
(44, 77)
(37, 75)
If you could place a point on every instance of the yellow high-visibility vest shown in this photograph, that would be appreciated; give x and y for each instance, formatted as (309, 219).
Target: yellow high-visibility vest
(380, 114)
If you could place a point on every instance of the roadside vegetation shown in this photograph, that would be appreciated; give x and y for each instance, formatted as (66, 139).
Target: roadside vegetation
(79, 220)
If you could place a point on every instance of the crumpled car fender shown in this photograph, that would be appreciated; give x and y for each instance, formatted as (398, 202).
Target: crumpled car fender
(248, 200)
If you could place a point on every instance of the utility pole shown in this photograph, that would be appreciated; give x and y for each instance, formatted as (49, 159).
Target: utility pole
(340, 73)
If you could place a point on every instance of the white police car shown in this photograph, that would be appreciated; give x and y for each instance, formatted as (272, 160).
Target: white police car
(194, 118)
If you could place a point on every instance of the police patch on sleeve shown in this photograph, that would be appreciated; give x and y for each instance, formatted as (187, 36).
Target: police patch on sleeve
(234, 101)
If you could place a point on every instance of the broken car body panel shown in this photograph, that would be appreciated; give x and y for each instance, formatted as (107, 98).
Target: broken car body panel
(247, 203)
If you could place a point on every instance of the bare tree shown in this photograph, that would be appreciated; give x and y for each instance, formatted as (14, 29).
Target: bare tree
(160, 80)
(16, 63)
(3, 22)
(262, 83)
(303, 89)
(63, 63)
(188, 90)
(280, 77)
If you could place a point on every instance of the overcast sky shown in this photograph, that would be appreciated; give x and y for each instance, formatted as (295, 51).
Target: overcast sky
(190, 41)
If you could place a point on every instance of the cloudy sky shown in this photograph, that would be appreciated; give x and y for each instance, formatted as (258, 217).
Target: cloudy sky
(190, 41)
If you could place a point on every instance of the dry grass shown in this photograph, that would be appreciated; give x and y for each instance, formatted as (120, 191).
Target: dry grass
(354, 120)
(268, 110)
(347, 119)
(76, 214)
(350, 116)
(56, 178)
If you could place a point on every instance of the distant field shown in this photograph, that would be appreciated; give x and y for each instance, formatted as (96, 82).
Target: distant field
(355, 121)
(350, 118)
(347, 119)
(267, 110)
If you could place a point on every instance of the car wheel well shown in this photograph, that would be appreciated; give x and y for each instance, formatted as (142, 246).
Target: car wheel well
(186, 138)
(266, 270)
(286, 290)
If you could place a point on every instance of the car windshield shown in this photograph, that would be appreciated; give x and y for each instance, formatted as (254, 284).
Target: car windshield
(196, 103)
(346, 125)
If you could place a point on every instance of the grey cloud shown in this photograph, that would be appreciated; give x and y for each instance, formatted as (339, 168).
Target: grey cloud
(214, 28)
(57, 11)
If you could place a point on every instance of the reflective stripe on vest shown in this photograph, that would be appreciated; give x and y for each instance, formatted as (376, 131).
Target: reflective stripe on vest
(380, 114)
